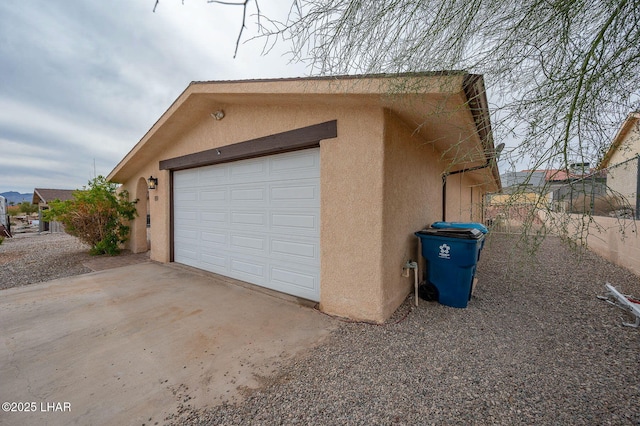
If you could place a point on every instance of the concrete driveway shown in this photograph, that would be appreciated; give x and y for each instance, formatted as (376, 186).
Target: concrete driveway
(129, 345)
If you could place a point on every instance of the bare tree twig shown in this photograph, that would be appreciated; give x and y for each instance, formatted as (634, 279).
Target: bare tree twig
(244, 18)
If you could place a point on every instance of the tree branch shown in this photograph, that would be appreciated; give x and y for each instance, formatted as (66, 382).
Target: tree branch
(244, 17)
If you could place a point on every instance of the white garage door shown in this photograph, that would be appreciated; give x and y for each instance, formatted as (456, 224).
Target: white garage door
(255, 220)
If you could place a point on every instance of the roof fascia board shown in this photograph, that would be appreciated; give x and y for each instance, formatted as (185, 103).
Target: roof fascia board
(476, 94)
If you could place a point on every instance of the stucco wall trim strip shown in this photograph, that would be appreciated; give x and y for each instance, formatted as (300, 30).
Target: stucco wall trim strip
(292, 140)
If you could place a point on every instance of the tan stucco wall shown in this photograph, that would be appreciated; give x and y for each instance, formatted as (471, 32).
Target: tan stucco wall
(351, 217)
(465, 194)
(158, 211)
(622, 180)
(614, 239)
(412, 200)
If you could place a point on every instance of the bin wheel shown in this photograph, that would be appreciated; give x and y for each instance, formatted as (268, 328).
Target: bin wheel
(428, 292)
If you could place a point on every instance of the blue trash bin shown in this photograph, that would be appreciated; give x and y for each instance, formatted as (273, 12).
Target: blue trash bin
(452, 256)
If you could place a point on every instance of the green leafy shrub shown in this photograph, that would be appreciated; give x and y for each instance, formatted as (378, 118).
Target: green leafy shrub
(98, 215)
(28, 208)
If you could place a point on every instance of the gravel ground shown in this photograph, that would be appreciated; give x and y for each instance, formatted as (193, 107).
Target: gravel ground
(535, 346)
(32, 258)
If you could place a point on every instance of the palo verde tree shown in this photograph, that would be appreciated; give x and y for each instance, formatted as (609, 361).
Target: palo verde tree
(98, 215)
(561, 75)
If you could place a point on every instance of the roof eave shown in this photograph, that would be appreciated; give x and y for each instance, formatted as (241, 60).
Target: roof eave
(618, 138)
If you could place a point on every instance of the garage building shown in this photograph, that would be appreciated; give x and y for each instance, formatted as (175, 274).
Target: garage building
(312, 187)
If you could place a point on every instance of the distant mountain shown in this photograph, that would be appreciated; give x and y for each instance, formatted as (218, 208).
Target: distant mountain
(16, 197)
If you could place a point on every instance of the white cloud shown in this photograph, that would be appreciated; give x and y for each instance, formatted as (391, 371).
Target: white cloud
(84, 81)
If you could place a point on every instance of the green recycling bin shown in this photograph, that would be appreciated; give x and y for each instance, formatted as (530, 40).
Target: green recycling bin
(452, 256)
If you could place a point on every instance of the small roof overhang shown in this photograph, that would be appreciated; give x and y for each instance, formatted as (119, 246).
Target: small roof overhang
(48, 195)
(436, 105)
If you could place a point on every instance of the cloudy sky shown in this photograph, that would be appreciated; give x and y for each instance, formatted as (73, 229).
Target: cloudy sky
(82, 81)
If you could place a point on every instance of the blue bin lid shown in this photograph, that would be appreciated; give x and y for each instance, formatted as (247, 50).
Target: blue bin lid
(475, 225)
(463, 233)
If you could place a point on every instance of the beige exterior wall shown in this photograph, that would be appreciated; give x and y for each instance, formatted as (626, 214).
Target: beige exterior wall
(622, 173)
(465, 193)
(351, 170)
(412, 200)
(614, 239)
(622, 180)
(629, 146)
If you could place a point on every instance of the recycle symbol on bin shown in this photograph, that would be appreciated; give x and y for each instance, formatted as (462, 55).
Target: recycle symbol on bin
(444, 250)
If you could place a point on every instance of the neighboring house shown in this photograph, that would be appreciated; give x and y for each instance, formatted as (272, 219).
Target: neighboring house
(622, 163)
(315, 186)
(574, 189)
(558, 189)
(41, 198)
(515, 205)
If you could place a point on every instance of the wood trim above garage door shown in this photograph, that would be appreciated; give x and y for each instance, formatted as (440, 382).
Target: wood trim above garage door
(293, 140)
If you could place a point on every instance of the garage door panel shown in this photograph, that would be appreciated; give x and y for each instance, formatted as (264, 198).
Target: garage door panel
(187, 235)
(213, 195)
(214, 219)
(298, 164)
(209, 238)
(212, 174)
(244, 218)
(245, 194)
(254, 220)
(185, 180)
(296, 195)
(287, 248)
(216, 262)
(186, 196)
(186, 253)
(294, 279)
(253, 170)
(252, 243)
(186, 218)
(250, 269)
(306, 223)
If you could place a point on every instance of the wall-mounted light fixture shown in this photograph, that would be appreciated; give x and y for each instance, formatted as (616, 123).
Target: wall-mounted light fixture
(218, 115)
(152, 182)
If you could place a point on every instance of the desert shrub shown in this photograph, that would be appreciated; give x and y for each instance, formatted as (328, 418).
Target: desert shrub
(28, 208)
(98, 215)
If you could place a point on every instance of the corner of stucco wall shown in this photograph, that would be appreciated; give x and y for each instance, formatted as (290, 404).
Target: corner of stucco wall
(160, 211)
(351, 217)
(412, 199)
